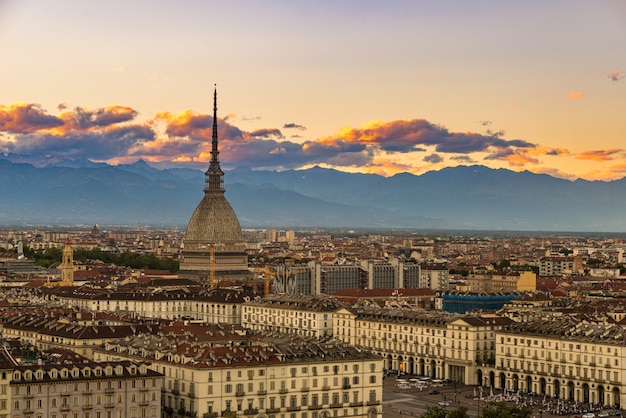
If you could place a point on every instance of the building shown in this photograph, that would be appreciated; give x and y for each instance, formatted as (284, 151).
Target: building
(214, 247)
(564, 358)
(115, 389)
(305, 315)
(433, 344)
(212, 306)
(560, 265)
(434, 276)
(257, 375)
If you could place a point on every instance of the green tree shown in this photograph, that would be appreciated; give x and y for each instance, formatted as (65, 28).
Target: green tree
(501, 409)
(439, 412)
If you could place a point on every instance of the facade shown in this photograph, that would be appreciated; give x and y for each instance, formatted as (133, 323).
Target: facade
(437, 345)
(213, 306)
(434, 276)
(116, 389)
(46, 333)
(214, 247)
(303, 378)
(557, 266)
(580, 362)
(310, 316)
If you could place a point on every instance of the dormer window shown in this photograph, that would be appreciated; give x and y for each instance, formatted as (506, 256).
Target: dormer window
(17, 376)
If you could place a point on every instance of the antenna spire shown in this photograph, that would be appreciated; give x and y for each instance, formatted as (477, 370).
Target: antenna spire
(214, 176)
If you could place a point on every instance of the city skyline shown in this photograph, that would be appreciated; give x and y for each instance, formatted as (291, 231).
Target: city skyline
(359, 87)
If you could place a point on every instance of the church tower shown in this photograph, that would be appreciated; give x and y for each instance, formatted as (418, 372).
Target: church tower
(67, 265)
(213, 247)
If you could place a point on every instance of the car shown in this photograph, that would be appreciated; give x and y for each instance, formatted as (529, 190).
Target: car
(444, 403)
(589, 415)
(603, 414)
(434, 392)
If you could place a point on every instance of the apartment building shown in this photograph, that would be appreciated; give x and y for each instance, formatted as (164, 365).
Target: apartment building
(434, 344)
(563, 357)
(560, 265)
(45, 333)
(212, 306)
(85, 389)
(283, 377)
(305, 315)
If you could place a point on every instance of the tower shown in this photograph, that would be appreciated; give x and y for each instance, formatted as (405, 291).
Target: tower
(67, 264)
(213, 247)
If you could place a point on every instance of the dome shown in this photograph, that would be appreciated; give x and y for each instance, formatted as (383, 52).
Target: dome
(214, 221)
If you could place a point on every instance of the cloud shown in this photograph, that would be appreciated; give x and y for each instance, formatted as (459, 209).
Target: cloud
(294, 126)
(600, 155)
(83, 119)
(409, 135)
(433, 158)
(252, 118)
(463, 159)
(98, 134)
(519, 157)
(616, 75)
(24, 118)
(575, 95)
(112, 134)
(101, 145)
(267, 133)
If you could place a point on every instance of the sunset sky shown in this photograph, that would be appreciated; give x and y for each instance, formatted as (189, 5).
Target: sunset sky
(361, 86)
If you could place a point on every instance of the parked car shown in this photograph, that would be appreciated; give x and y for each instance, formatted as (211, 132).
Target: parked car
(434, 392)
(589, 415)
(444, 403)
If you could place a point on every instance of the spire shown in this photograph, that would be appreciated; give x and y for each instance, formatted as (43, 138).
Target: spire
(214, 176)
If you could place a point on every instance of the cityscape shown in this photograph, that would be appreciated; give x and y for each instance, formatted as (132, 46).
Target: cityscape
(304, 237)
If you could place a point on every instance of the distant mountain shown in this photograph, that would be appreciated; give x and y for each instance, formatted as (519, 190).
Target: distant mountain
(467, 197)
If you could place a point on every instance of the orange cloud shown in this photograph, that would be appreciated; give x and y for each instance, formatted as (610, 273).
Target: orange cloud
(575, 95)
(26, 118)
(600, 155)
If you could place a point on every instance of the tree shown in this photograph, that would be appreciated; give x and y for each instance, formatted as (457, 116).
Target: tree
(501, 409)
(439, 412)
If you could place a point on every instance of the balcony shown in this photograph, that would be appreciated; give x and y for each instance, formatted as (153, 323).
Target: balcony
(371, 403)
(87, 392)
(144, 389)
(304, 389)
(28, 411)
(326, 387)
(315, 407)
(252, 411)
(261, 392)
(355, 404)
(347, 386)
(209, 415)
(87, 407)
(240, 393)
(176, 391)
(293, 408)
(109, 391)
(272, 410)
(109, 405)
(336, 405)
(144, 403)
(282, 391)
(65, 408)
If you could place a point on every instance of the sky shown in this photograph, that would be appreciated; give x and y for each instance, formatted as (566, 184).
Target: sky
(364, 86)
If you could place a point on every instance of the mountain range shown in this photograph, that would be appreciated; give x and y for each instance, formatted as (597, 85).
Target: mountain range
(39, 190)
